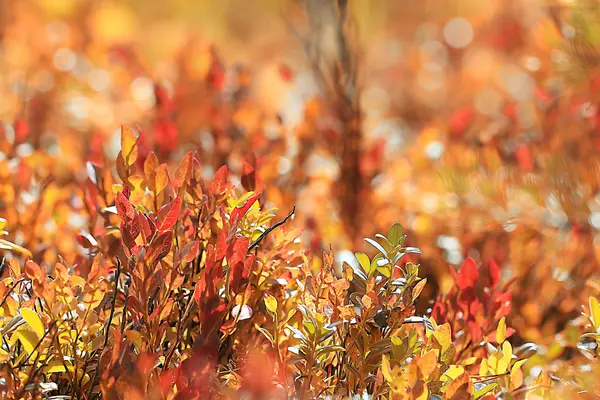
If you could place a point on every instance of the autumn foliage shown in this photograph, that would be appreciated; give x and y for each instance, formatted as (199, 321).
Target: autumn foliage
(189, 290)
(418, 221)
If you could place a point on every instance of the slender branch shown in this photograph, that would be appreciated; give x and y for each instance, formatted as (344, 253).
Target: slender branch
(124, 315)
(270, 229)
(10, 291)
(107, 329)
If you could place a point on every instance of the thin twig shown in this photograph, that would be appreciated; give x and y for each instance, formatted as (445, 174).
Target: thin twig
(124, 315)
(270, 229)
(107, 330)
(10, 291)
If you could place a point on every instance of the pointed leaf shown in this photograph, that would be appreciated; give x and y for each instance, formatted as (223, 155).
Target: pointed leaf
(34, 321)
(169, 214)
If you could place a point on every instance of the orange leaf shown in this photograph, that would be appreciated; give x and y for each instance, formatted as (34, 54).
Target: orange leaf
(129, 148)
(184, 170)
(418, 288)
(427, 363)
(219, 182)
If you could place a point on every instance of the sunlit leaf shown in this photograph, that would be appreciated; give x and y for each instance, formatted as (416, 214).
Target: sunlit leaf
(34, 321)
(271, 303)
(418, 288)
(129, 147)
(595, 313)
(501, 331)
(395, 234)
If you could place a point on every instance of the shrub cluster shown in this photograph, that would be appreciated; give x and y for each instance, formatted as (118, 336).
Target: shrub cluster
(189, 289)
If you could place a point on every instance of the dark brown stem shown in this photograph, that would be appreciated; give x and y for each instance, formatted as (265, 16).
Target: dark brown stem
(270, 229)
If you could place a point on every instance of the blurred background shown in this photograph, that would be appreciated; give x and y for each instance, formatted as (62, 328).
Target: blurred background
(473, 123)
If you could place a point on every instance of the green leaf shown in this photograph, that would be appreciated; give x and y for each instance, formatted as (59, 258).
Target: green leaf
(415, 250)
(484, 390)
(376, 245)
(328, 349)
(395, 234)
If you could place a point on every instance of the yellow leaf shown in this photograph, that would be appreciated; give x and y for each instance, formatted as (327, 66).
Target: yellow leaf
(28, 339)
(483, 369)
(116, 188)
(504, 360)
(501, 331)
(128, 145)
(5, 244)
(386, 369)
(34, 321)
(55, 366)
(134, 337)
(271, 303)
(516, 375)
(595, 311)
(443, 336)
(453, 372)
(507, 350)
(2, 223)
(364, 262)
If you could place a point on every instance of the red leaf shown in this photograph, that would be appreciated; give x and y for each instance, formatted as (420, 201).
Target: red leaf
(216, 73)
(474, 330)
(524, 158)
(468, 274)
(236, 252)
(286, 73)
(219, 182)
(146, 229)
(221, 245)
(504, 304)
(494, 272)
(248, 176)
(198, 290)
(124, 208)
(21, 128)
(168, 215)
(90, 195)
(166, 134)
(239, 212)
(460, 121)
(160, 246)
(87, 241)
(190, 251)
(130, 230)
